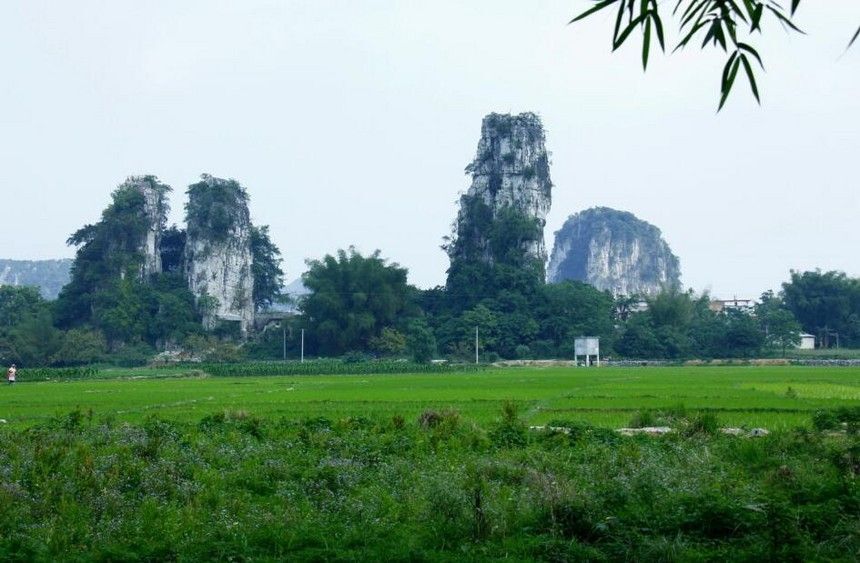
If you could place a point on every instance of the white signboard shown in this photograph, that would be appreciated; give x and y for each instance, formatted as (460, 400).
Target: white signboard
(587, 346)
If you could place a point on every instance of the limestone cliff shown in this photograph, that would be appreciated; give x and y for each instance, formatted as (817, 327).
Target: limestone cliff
(511, 185)
(154, 211)
(218, 256)
(614, 251)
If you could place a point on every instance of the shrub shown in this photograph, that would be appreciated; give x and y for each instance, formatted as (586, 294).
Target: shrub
(355, 358)
(642, 419)
(510, 431)
(703, 423)
(824, 420)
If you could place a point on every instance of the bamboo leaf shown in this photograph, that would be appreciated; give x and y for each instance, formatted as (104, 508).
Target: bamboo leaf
(853, 39)
(618, 19)
(719, 36)
(756, 19)
(646, 43)
(737, 10)
(699, 12)
(751, 51)
(658, 27)
(751, 77)
(626, 33)
(784, 19)
(596, 8)
(708, 36)
(729, 73)
(686, 39)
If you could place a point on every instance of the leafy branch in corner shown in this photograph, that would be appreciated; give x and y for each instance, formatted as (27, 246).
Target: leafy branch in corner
(721, 24)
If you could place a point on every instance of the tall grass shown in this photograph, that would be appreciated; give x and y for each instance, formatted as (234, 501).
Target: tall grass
(235, 486)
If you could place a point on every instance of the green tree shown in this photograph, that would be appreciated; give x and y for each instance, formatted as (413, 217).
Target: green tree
(390, 342)
(173, 249)
(489, 254)
(778, 324)
(680, 325)
(27, 335)
(719, 24)
(80, 346)
(826, 304)
(353, 298)
(214, 206)
(671, 308)
(570, 309)
(420, 341)
(19, 303)
(266, 268)
(639, 339)
(744, 337)
(31, 342)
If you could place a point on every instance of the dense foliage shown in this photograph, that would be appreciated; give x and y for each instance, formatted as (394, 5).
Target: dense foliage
(266, 268)
(354, 298)
(216, 208)
(238, 487)
(826, 305)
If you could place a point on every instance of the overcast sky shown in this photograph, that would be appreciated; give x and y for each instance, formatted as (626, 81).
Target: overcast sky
(350, 122)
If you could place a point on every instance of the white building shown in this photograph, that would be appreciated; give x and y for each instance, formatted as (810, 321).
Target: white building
(744, 305)
(807, 342)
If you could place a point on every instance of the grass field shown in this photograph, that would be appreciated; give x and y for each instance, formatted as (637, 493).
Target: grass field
(769, 396)
(435, 467)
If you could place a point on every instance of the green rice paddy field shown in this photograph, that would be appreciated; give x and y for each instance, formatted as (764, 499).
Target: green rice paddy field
(768, 396)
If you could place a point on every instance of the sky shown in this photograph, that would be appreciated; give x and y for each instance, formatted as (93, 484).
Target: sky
(350, 123)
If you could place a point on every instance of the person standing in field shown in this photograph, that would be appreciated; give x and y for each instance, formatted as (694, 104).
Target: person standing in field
(10, 375)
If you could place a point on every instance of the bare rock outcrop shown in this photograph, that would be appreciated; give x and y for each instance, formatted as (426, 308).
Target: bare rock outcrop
(613, 251)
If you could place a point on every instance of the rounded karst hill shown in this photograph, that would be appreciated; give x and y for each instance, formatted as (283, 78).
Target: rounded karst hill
(613, 251)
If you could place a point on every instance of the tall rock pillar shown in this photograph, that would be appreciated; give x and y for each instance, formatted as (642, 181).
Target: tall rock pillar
(510, 176)
(218, 255)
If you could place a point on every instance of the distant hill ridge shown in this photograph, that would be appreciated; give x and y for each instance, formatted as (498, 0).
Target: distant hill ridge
(48, 275)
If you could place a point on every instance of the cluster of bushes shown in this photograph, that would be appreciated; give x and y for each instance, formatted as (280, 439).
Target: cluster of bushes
(235, 486)
(843, 418)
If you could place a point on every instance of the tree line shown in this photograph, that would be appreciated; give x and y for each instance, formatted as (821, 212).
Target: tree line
(362, 306)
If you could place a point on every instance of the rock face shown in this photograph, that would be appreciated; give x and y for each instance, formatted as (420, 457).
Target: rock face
(510, 173)
(218, 255)
(613, 251)
(155, 212)
(48, 275)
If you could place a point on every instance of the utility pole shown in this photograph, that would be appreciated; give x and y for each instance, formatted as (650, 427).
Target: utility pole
(477, 359)
(284, 329)
(303, 346)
